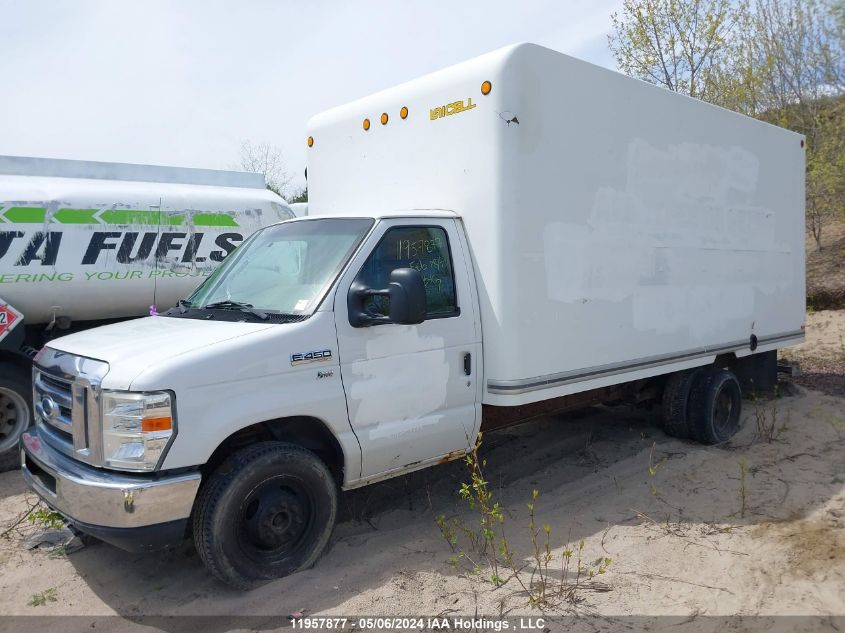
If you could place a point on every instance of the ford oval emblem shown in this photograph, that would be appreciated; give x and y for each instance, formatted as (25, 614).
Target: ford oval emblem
(49, 407)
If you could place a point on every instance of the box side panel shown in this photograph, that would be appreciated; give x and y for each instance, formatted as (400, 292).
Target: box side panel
(646, 231)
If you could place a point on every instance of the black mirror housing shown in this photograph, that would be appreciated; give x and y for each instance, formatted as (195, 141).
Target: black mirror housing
(406, 292)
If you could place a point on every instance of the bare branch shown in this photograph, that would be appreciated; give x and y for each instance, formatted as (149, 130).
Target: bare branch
(265, 159)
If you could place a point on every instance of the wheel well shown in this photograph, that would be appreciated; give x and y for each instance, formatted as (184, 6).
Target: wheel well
(308, 432)
(18, 360)
(726, 361)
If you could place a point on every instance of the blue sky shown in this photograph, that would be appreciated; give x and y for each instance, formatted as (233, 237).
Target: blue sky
(184, 83)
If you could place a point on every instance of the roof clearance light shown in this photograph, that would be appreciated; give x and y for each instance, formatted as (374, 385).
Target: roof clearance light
(486, 87)
(403, 112)
(366, 124)
(384, 118)
(310, 141)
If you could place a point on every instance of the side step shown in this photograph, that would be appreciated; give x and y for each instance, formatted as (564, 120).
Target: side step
(790, 368)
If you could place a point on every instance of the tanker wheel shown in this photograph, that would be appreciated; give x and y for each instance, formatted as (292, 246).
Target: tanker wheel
(15, 412)
(676, 403)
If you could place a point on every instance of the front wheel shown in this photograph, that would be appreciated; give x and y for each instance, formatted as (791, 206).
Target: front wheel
(266, 512)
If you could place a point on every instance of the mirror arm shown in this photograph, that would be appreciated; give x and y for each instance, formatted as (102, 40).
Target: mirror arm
(361, 317)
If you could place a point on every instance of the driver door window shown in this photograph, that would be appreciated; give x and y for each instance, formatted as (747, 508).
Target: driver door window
(423, 248)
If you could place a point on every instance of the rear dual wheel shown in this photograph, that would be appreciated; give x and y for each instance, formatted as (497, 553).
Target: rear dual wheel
(703, 404)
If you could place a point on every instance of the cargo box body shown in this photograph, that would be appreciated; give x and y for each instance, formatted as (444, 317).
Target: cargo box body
(618, 230)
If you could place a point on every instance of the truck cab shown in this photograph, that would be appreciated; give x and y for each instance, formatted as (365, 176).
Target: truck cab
(355, 338)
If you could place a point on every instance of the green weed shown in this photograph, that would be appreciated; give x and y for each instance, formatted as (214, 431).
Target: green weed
(482, 544)
(42, 598)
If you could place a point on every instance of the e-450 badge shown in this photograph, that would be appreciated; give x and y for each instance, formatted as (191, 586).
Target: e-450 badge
(310, 357)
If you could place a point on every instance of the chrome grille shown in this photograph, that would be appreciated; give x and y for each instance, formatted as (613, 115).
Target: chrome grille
(59, 393)
(66, 390)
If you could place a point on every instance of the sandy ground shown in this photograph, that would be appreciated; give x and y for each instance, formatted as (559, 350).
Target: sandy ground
(669, 514)
(822, 356)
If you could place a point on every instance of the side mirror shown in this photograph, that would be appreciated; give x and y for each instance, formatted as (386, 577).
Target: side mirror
(406, 293)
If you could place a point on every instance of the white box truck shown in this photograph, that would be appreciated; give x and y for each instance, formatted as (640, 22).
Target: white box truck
(84, 243)
(518, 234)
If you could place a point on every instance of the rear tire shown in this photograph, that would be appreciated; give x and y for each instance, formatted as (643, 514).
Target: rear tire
(676, 403)
(266, 512)
(15, 412)
(715, 406)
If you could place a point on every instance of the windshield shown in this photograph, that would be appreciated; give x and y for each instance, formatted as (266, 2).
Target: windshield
(285, 268)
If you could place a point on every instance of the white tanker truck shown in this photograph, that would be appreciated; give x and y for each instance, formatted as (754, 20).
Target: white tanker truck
(86, 243)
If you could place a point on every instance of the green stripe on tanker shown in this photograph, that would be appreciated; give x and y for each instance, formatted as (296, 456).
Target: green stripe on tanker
(214, 219)
(130, 216)
(26, 215)
(75, 216)
(37, 215)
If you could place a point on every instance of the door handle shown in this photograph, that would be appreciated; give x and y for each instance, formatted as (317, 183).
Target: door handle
(467, 363)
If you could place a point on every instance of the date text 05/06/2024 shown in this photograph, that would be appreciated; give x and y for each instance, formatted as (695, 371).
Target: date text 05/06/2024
(455, 623)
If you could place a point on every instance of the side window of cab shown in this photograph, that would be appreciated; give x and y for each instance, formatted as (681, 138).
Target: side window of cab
(423, 248)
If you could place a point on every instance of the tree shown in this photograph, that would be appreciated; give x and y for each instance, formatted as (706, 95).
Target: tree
(300, 195)
(265, 159)
(798, 48)
(826, 170)
(673, 43)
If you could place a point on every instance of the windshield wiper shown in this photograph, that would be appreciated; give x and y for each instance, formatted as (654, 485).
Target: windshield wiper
(183, 305)
(228, 304)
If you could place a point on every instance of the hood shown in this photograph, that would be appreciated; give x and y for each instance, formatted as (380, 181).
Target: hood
(132, 346)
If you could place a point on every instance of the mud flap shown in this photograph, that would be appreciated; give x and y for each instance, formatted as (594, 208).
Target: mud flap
(757, 373)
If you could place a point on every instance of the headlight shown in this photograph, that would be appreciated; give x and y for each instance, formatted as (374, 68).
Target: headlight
(136, 428)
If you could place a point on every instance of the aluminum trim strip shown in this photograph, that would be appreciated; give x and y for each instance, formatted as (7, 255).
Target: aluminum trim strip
(79, 417)
(549, 381)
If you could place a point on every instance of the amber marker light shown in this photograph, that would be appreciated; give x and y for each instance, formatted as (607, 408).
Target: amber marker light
(486, 87)
(310, 141)
(149, 425)
(403, 112)
(366, 124)
(384, 118)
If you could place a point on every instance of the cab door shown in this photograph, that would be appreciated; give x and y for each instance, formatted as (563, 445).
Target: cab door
(412, 391)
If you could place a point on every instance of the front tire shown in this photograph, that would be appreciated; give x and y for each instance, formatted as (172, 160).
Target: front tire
(15, 412)
(266, 512)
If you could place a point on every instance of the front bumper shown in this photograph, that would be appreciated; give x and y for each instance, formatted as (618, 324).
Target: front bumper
(133, 512)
